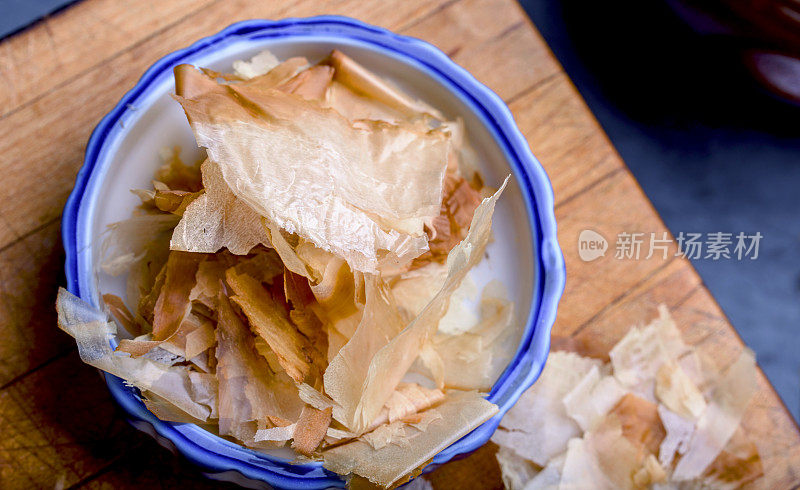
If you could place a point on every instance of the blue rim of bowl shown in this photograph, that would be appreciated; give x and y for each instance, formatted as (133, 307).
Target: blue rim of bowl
(194, 443)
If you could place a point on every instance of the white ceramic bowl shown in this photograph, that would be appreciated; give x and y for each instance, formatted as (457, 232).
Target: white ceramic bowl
(123, 153)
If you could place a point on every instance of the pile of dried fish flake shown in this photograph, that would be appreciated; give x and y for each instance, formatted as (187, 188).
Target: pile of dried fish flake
(658, 415)
(304, 284)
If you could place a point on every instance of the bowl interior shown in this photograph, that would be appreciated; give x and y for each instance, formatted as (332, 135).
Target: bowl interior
(153, 120)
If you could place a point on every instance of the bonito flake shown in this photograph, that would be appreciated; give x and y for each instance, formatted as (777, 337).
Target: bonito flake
(538, 427)
(92, 332)
(304, 285)
(357, 190)
(638, 421)
(218, 219)
(408, 447)
(362, 384)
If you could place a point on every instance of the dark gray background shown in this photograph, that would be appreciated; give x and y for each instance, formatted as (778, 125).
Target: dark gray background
(711, 149)
(16, 15)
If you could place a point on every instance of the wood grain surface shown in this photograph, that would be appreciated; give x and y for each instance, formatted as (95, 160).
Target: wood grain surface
(58, 425)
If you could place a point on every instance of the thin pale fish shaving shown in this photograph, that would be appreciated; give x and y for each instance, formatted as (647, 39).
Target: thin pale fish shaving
(92, 332)
(640, 421)
(410, 448)
(254, 133)
(363, 393)
(249, 391)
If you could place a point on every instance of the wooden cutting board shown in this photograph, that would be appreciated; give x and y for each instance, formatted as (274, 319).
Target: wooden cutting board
(59, 77)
